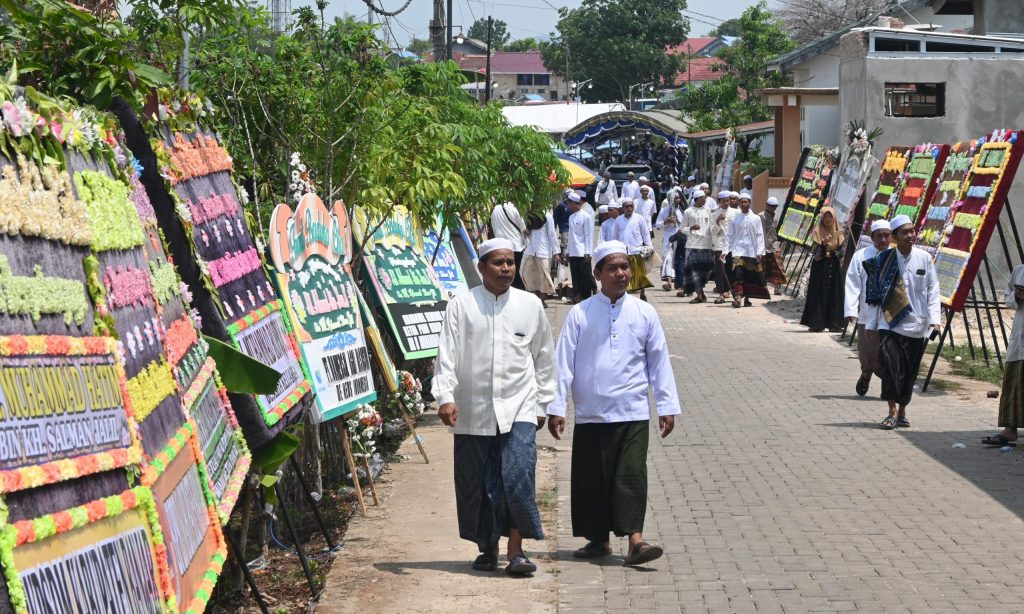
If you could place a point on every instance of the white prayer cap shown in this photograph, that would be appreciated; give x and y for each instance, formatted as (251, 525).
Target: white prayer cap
(645, 187)
(724, 194)
(491, 245)
(704, 186)
(745, 196)
(626, 201)
(642, 179)
(691, 178)
(880, 225)
(574, 197)
(900, 220)
(607, 248)
(614, 205)
(630, 174)
(734, 194)
(772, 201)
(745, 177)
(602, 209)
(699, 194)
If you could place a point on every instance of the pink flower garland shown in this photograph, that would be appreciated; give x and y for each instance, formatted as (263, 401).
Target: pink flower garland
(127, 286)
(141, 201)
(234, 266)
(212, 207)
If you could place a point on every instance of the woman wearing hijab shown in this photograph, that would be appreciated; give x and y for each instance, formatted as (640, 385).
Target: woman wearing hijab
(1011, 401)
(669, 220)
(824, 306)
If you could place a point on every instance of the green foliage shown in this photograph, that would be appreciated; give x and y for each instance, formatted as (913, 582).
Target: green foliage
(729, 100)
(729, 27)
(522, 44)
(617, 43)
(499, 32)
(420, 46)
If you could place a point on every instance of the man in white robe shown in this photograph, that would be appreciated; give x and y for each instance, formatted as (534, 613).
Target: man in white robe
(610, 227)
(611, 350)
(856, 309)
(744, 243)
(646, 207)
(699, 255)
(507, 223)
(581, 246)
(493, 379)
(606, 190)
(634, 231)
(630, 188)
(541, 245)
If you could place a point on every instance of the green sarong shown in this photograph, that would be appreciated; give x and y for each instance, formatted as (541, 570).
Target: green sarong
(609, 479)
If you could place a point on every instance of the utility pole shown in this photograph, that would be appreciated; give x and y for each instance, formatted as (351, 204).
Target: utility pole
(448, 43)
(437, 31)
(487, 92)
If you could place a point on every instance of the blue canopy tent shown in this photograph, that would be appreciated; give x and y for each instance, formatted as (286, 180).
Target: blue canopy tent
(618, 124)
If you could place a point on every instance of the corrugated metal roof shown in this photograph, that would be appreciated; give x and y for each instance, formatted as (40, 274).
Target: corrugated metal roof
(507, 62)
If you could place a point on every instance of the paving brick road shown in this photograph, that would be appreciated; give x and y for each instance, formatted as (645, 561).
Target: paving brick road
(777, 492)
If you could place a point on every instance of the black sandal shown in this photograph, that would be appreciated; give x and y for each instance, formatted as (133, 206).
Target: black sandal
(862, 385)
(520, 566)
(643, 553)
(889, 423)
(592, 550)
(903, 422)
(999, 440)
(485, 562)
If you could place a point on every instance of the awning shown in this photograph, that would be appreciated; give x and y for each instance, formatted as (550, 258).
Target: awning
(579, 175)
(617, 124)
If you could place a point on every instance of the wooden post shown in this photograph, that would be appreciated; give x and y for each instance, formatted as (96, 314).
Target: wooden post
(412, 428)
(346, 443)
(369, 478)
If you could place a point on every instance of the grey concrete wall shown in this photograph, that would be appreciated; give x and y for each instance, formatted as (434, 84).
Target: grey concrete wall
(998, 17)
(982, 94)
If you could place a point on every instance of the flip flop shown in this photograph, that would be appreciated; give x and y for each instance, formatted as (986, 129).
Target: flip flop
(999, 440)
(591, 551)
(643, 553)
(520, 566)
(485, 562)
(889, 423)
(903, 422)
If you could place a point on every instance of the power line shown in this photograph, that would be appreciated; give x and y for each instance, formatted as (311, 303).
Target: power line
(382, 12)
(519, 6)
(704, 15)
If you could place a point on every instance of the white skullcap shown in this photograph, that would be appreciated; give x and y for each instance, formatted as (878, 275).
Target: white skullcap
(602, 209)
(900, 220)
(645, 187)
(746, 196)
(699, 194)
(724, 194)
(606, 249)
(734, 194)
(642, 178)
(772, 201)
(691, 178)
(614, 205)
(747, 177)
(880, 225)
(491, 245)
(704, 186)
(626, 201)
(574, 197)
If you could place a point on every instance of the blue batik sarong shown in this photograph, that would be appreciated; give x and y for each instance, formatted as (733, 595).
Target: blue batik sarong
(495, 485)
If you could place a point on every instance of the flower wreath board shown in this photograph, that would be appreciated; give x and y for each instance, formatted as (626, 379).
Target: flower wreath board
(810, 188)
(402, 281)
(311, 250)
(948, 186)
(848, 184)
(186, 173)
(975, 214)
(890, 178)
(452, 256)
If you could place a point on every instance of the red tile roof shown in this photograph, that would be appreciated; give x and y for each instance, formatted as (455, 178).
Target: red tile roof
(507, 62)
(692, 45)
(700, 70)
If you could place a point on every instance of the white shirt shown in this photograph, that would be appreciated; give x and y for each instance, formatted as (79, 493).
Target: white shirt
(923, 292)
(720, 227)
(647, 207)
(745, 236)
(630, 190)
(609, 230)
(509, 226)
(855, 297)
(608, 355)
(634, 231)
(700, 238)
(1015, 349)
(606, 191)
(581, 234)
(670, 219)
(543, 242)
(494, 361)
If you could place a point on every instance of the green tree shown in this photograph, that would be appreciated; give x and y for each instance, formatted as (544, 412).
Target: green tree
(523, 44)
(729, 27)
(499, 32)
(729, 100)
(420, 46)
(617, 43)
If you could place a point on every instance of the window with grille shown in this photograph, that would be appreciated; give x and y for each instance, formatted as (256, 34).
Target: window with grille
(915, 99)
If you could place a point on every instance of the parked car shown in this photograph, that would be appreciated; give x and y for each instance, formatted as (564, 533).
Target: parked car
(619, 173)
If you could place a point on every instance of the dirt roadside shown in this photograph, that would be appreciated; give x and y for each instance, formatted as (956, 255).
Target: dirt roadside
(406, 555)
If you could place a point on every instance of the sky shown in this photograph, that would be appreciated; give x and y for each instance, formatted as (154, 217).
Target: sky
(525, 18)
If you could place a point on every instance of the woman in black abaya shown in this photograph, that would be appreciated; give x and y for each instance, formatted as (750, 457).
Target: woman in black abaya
(824, 306)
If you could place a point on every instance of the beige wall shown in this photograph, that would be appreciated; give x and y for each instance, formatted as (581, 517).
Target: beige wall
(508, 83)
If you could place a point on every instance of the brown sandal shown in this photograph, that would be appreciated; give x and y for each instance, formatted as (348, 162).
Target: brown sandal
(643, 553)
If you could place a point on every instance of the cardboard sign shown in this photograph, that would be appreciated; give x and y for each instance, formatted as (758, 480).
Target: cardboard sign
(311, 249)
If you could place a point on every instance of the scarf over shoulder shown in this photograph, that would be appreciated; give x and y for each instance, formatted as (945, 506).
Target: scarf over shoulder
(885, 286)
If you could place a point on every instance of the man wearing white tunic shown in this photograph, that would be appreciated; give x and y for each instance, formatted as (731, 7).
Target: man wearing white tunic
(493, 379)
(903, 284)
(606, 190)
(630, 189)
(856, 308)
(541, 245)
(720, 220)
(646, 207)
(611, 350)
(669, 221)
(581, 246)
(507, 223)
(610, 227)
(744, 243)
(634, 231)
(700, 258)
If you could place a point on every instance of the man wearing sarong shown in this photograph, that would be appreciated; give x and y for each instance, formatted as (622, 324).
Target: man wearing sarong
(1011, 398)
(699, 258)
(541, 245)
(493, 379)
(857, 310)
(771, 262)
(610, 351)
(581, 245)
(669, 219)
(634, 231)
(745, 243)
(903, 284)
(721, 218)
